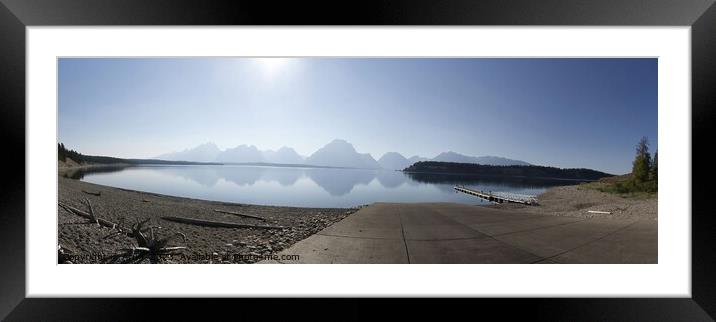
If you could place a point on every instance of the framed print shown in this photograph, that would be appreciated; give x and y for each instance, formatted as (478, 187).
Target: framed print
(394, 150)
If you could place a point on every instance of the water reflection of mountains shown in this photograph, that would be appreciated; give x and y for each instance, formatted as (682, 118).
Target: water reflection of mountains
(337, 182)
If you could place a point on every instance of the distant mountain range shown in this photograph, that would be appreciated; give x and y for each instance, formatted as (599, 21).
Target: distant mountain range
(340, 153)
(486, 160)
(209, 152)
(393, 160)
(337, 153)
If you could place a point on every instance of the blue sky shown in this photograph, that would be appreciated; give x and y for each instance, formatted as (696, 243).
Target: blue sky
(559, 112)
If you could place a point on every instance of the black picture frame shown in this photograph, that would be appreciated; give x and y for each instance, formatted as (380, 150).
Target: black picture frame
(16, 15)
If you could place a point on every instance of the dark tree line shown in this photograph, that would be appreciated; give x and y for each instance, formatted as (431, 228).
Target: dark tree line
(529, 171)
(63, 153)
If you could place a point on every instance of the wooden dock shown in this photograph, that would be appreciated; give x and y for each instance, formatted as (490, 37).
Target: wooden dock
(498, 197)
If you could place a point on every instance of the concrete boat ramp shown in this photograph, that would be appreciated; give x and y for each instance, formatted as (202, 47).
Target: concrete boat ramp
(433, 233)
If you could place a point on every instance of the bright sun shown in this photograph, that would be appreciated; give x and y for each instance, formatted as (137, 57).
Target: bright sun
(272, 65)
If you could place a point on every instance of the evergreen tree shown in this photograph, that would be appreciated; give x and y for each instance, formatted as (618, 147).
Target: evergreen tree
(642, 162)
(61, 152)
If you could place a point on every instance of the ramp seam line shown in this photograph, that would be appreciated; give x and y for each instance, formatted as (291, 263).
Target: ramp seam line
(589, 242)
(402, 230)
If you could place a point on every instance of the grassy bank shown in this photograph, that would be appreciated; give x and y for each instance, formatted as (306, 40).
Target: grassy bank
(624, 186)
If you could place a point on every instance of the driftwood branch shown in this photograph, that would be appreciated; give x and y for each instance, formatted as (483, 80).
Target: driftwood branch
(238, 214)
(81, 213)
(91, 212)
(98, 193)
(210, 223)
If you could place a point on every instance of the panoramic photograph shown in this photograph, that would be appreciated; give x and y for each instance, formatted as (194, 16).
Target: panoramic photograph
(360, 160)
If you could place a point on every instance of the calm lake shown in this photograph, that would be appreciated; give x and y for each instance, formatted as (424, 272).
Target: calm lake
(306, 187)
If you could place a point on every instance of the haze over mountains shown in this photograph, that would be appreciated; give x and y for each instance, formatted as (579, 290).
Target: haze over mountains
(337, 153)
(340, 153)
(209, 152)
(486, 160)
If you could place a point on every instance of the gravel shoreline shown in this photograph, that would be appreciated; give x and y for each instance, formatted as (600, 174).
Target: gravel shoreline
(82, 241)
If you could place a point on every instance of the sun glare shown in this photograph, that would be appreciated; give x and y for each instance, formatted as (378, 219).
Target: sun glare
(272, 65)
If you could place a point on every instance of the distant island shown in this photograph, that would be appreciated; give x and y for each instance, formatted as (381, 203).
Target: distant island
(526, 171)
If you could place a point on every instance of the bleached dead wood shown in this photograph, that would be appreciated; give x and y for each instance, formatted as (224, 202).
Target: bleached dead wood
(81, 213)
(211, 223)
(599, 212)
(98, 193)
(238, 214)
